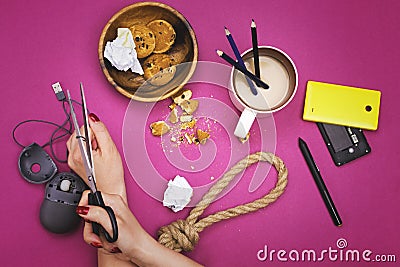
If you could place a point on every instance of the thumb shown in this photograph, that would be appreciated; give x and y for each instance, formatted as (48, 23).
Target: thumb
(99, 130)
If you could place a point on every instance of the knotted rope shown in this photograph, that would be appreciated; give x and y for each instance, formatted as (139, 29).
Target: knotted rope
(184, 234)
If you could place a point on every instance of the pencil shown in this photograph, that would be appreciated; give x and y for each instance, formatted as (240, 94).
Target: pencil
(241, 69)
(239, 59)
(255, 48)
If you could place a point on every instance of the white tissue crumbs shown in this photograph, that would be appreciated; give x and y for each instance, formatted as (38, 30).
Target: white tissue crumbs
(121, 52)
(178, 194)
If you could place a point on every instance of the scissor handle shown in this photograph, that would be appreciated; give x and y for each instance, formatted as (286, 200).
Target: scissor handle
(97, 200)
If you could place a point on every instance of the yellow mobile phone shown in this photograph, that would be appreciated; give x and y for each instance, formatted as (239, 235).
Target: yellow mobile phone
(342, 105)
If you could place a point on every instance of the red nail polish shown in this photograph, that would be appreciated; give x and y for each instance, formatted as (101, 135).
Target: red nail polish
(96, 245)
(94, 117)
(82, 210)
(115, 250)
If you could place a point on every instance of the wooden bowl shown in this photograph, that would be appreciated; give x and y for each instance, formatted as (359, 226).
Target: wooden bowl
(185, 49)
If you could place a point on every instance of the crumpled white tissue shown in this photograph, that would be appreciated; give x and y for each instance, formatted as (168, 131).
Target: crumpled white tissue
(121, 52)
(178, 194)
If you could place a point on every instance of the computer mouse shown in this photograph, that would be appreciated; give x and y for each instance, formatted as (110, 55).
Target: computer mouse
(35, 165)
(62, 195)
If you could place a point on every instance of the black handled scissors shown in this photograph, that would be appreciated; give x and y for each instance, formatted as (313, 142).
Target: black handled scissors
(85, 146)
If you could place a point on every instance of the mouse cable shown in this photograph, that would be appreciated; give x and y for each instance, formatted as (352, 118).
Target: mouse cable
(61, 131)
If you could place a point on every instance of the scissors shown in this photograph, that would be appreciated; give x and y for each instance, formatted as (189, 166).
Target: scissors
(85, 146)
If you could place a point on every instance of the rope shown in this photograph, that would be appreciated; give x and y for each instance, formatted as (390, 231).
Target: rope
(184, 234)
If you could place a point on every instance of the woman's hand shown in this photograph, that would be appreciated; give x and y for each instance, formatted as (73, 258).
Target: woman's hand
(107, 162)
(131, 236)
(133, 243)
(108, 170)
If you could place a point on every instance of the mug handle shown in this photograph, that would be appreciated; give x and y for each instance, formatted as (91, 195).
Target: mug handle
(245, 122)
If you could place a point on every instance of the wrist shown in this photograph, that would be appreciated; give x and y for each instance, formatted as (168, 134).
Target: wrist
(112, 185)
(143, 253)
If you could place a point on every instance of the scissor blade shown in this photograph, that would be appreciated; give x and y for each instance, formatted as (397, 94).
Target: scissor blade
(84, 155)
(87, 128)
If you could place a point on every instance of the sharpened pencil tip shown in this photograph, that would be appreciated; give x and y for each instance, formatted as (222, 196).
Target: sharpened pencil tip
(253, 24)
(219, 52)
(227, 32)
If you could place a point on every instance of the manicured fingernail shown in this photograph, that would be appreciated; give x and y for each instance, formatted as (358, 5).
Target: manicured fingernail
(94, 117)
(82, 210)
(96, 244)
(115, 250)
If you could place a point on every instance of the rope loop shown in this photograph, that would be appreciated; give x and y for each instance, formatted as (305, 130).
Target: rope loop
(184, 234)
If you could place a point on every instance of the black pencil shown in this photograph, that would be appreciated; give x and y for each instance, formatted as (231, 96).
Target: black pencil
(241, 69)
(255, 48)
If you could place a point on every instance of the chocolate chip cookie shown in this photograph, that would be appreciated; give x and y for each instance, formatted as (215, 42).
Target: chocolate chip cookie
(144, 39)
(159, 69)
(164, 34)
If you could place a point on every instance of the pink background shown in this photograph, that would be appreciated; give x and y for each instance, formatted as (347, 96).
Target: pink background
(345, 42)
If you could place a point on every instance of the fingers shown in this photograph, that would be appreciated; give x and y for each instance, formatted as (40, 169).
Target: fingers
(94, 214)
(95, 240)
(74, 156)
(84, 199)
(71, 142)
(97, 214)
(90, 237)
(100, 138)
(100, 132)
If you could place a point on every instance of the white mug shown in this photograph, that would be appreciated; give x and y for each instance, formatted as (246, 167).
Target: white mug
(278, 71)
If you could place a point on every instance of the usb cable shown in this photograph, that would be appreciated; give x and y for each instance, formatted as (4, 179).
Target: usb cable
(58, 91)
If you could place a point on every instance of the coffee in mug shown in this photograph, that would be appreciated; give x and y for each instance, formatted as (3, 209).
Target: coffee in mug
(278, 71)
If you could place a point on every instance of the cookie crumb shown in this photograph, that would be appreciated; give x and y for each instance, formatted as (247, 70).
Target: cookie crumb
(188, 138)
(184, 126)
(202, 136)
(159, 128)
(189, 106)
(188, 125)
(185, 95)
(173, 116)
(186, 118)
(172, 106)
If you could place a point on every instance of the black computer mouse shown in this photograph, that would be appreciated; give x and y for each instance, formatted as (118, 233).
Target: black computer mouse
(62, 195)
(35, 165)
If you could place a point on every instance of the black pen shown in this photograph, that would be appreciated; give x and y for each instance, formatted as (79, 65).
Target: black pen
(320, 183)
